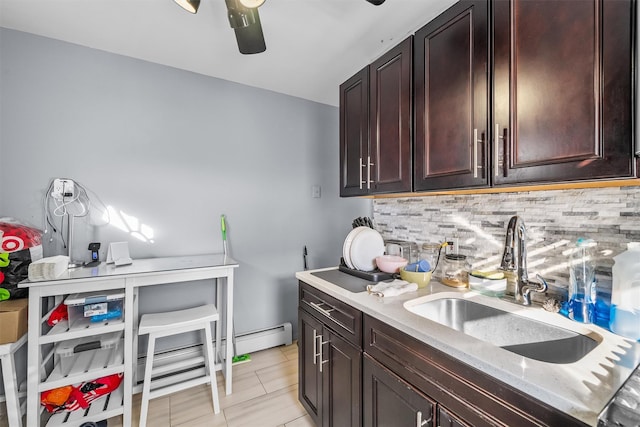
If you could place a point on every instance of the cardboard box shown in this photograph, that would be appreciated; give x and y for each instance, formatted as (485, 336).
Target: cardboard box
(13, 319)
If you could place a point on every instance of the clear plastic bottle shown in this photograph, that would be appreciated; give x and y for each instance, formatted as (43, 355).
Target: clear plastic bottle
(624, 318)
(582, 290)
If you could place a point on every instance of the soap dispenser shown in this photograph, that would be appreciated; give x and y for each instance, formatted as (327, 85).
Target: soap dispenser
(624, 317)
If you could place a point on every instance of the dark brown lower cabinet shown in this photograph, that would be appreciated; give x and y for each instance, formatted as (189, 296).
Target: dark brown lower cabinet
(463, 395)
(341, 382)
(445, 419)
(330, 366)
(355, 370)
(309, 375)
(390, 401)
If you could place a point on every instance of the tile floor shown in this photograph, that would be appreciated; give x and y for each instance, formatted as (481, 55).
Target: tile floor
(265, 394)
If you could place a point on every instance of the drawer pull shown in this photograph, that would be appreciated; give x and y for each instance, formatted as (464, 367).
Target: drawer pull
(322, 310)
(420, 422)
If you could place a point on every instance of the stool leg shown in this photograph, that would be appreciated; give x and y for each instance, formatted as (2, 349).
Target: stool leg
(146, 387)
(210, 366)
(11, 390)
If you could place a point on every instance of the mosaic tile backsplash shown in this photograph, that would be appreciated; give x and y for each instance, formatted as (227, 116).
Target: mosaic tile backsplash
(554, 219)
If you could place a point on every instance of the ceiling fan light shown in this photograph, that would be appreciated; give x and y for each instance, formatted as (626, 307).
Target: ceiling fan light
(189, 5)
(241, 18)
(251, 4)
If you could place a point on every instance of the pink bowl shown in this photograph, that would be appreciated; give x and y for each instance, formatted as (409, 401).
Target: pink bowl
(390, 263)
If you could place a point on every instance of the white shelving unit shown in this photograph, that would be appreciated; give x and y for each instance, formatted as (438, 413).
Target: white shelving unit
(81, 367)
(44, 370)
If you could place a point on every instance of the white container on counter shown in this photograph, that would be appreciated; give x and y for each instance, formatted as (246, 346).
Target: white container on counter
(624, 317)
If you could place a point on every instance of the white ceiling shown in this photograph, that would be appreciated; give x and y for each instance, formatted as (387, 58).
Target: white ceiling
(312, 45)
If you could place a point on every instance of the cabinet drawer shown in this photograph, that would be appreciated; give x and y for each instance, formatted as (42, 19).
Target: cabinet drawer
(342, 318)
(479, 399)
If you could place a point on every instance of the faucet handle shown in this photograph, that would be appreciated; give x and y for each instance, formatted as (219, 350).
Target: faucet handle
(529, 286)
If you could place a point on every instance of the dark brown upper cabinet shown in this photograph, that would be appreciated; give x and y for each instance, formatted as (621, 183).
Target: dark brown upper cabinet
(451, 95)
(390, 133)
(563, 85)
(354, 134)
(375, 126)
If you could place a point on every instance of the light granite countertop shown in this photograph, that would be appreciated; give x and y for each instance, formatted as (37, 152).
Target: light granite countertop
(581, 389)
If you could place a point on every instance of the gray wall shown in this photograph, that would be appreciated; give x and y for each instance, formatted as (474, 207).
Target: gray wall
(175, 150)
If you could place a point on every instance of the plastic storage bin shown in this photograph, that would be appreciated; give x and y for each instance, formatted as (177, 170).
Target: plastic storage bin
(94, 307)
(81, 354)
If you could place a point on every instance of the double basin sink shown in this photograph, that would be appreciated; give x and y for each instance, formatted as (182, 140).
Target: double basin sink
(516, 333)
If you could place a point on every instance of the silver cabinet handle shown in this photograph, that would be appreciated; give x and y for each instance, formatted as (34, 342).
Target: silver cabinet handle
(475, 152)
(315, 345)
(497, 139)
(361, 166)
(369, 164)
(322, 310)
(322, 362)
(420, 422)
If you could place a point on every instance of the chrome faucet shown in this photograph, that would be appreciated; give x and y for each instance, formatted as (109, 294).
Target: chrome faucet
(515, 259)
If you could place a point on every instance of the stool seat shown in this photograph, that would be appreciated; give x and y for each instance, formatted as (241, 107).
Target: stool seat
(158, 322)
(158, 325)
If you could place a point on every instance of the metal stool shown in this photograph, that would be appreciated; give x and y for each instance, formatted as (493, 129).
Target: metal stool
(15, 410)
(159, 325)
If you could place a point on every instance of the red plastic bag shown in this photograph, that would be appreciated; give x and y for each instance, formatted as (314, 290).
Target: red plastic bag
(17, 236)
(21, 245)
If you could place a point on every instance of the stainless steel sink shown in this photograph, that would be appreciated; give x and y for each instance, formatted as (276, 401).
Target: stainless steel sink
(521, 335)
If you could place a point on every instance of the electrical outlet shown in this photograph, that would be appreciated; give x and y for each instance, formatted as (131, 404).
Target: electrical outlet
(452, 245)
(63, 188)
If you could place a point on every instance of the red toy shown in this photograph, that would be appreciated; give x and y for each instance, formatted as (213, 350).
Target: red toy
(71, 398)
(58, 314)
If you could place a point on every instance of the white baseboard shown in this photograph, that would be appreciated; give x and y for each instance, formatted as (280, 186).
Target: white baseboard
(249, 342)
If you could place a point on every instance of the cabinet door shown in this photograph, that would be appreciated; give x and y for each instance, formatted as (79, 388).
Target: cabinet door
(341, 382)
(451, 99)
(563, 90)
(390, 119)
(354, 135)
(309, 375)
(445, 419)
(390, 401)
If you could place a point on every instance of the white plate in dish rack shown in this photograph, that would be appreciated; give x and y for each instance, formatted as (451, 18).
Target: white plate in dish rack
(366, 246)
(346, 247)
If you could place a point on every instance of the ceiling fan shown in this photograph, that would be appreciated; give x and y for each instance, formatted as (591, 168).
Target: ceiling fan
(245, 21)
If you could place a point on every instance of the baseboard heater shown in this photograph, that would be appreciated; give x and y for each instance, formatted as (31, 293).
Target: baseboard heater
(247, 342)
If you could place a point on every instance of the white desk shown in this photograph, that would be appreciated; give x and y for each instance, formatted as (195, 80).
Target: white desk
(143, 272)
